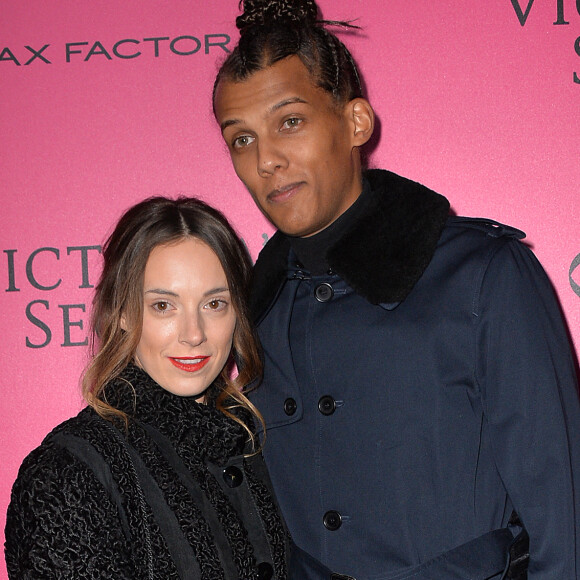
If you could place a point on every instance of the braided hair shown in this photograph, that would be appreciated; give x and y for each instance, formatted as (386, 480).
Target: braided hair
(271, 30)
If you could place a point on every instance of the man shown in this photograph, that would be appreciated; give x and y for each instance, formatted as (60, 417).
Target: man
(419, 389)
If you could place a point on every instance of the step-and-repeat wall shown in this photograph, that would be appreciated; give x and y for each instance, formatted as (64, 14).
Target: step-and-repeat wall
(106, 103)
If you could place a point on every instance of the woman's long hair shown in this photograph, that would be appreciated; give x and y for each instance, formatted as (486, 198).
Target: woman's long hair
(119, 294)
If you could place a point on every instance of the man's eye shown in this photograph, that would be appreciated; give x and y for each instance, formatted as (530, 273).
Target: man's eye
(291, 123)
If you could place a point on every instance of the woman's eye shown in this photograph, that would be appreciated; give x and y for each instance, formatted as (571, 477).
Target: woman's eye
(216, 304)
(291, 123)
(161, 306)
(243, 141)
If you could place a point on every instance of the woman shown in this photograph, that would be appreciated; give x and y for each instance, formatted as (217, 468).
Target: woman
(160, 476)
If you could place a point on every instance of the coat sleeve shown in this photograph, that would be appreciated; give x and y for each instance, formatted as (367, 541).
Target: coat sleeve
(61, 522)
(526, 372)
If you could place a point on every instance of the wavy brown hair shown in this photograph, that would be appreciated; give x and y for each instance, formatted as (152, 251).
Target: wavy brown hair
(119, 294)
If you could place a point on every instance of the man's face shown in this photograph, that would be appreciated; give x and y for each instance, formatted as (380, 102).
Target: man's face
(291, 145)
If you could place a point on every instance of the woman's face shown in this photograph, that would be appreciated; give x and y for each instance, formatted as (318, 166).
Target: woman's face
(188, 318)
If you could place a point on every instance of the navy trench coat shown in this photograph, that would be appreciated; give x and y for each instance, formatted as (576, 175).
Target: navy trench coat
(403, 424)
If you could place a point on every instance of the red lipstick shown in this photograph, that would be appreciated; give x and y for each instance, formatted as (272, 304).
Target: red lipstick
(190, 367)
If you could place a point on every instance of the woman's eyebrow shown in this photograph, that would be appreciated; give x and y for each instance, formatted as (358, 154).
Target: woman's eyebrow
(161, 291)
(216, 290)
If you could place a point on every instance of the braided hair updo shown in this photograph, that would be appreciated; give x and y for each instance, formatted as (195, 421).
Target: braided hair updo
(264, 13)
(271, 30)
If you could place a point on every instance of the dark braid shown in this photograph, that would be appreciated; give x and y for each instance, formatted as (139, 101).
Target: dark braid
(271, 30)
(259, 13)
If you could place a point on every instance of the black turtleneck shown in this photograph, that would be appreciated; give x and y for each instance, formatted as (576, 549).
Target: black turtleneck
(312, 251)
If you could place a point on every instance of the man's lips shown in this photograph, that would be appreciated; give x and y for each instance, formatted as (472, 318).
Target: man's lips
(189, 364)
(281, 194)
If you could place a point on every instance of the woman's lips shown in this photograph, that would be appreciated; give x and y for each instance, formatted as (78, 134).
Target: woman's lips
(190, 364)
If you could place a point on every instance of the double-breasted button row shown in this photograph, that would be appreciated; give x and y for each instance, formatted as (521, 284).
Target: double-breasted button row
(326, 405)
(332, 520)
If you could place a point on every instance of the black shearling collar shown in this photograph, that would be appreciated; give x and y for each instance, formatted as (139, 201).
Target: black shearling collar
(381, 257)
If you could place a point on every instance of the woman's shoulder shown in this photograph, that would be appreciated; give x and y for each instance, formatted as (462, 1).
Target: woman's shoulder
(59, 508)
(53, 462)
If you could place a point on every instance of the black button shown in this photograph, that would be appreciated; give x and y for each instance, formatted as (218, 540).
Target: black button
(332, 520)
(233, 476)
(265, 571)
(327, 405)
(290, 406)
(323, 292)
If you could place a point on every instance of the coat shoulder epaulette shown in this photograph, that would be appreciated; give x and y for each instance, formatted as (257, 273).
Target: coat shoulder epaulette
(490, 227)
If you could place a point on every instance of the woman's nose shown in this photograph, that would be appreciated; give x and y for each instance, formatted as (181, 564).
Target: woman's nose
(191, 330)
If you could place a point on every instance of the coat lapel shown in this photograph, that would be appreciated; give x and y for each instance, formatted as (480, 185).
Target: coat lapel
(382, 256)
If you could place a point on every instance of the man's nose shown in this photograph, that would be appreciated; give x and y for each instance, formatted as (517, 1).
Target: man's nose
(270, 158)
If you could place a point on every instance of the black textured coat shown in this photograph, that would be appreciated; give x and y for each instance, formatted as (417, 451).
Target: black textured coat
(64, 523)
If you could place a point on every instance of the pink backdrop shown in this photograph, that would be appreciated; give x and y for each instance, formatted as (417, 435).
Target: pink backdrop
(105, 103)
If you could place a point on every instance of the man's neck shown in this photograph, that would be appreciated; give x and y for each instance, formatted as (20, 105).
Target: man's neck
(311, 251)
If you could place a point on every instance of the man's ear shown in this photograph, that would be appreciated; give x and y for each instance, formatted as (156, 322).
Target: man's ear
(363, 119)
